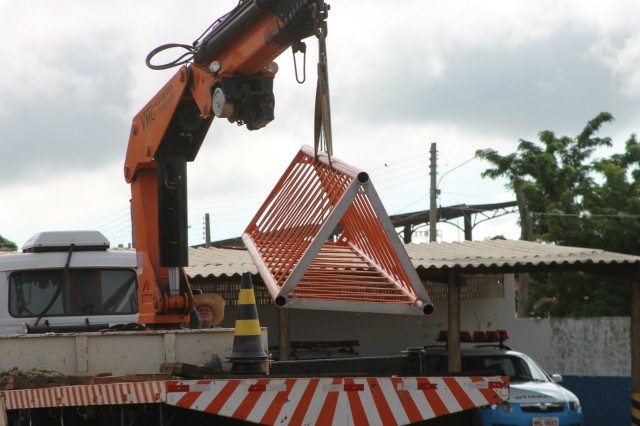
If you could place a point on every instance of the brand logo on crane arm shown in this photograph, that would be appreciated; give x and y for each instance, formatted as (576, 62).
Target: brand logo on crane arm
(163, 99)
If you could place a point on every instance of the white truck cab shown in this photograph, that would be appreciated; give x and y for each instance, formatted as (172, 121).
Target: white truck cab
(67, 281)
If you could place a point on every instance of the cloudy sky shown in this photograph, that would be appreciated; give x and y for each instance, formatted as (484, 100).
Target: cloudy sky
(466, 75)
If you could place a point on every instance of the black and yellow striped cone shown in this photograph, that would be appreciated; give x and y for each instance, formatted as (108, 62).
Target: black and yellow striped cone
(248, 355)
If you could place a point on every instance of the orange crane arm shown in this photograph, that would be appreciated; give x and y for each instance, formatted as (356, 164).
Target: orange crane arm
(230, 75)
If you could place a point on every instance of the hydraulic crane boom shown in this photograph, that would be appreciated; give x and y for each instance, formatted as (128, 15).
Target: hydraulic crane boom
(229, 74)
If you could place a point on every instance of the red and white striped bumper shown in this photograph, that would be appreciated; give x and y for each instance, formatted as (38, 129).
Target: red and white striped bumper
(295, 401)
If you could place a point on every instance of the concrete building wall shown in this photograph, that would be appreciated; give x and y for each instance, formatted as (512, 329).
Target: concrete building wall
(576, 346)
(387, 334)
(570, 346)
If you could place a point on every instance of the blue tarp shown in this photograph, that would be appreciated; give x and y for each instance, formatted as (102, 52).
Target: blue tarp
(605, 400)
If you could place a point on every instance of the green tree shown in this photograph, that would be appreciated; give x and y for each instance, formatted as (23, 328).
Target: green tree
(6, 245)
(581, 201)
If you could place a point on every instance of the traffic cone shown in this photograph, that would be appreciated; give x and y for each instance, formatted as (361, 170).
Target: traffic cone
(248, 355)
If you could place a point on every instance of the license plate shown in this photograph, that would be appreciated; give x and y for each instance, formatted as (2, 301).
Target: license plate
(545, 421)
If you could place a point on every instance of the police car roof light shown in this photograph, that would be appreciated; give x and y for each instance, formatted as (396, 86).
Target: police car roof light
(477, 337)
(493, 336)
(465, 336)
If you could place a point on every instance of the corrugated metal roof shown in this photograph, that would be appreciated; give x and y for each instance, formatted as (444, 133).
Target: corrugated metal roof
(501, 253)
(438, 258)
(217, 262)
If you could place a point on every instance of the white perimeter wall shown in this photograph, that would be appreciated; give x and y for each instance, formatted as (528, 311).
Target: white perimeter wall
(577, 346)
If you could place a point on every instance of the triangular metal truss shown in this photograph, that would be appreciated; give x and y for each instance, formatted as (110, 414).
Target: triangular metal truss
(366, 269)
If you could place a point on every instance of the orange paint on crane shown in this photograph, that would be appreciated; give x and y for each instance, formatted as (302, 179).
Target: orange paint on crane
(366, 269)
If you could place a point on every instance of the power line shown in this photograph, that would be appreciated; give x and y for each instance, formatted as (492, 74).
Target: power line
(240, 209)
(588, 215)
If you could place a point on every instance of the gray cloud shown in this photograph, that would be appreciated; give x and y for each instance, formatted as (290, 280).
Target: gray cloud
(80, 127)
(550, 84)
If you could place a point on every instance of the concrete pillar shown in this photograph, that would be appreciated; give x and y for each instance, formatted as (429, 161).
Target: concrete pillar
(453, 342)
(284, 339)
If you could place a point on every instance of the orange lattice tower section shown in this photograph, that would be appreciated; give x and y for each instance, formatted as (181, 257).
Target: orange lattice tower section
(365, 269)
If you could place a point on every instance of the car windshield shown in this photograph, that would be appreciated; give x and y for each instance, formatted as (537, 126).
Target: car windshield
(519, 369)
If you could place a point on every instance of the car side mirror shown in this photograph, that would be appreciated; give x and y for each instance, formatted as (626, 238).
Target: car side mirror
(557, 378)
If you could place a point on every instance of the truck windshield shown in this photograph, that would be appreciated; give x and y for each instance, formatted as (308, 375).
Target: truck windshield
(86, 292)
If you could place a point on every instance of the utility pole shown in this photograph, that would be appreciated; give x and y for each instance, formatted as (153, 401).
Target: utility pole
(433, 204)
(207, 231)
